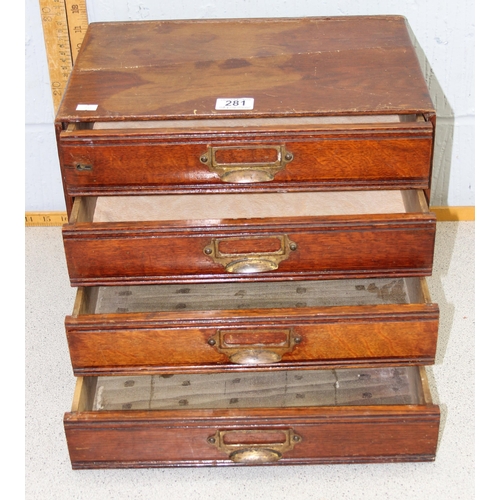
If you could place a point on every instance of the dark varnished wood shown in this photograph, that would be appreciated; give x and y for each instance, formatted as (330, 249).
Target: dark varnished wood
(291, 67)
(329, 436)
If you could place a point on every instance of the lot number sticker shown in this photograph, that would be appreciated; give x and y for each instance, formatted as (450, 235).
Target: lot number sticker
(234, 103)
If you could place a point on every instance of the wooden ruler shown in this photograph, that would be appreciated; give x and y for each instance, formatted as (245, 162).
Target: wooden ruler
(64, 25)
(34, 219)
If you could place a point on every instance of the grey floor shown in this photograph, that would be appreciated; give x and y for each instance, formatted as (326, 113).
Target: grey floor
(50, 383)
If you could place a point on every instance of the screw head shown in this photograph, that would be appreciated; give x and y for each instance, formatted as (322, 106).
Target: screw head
(208, 250)
(293, 246)
(204, 159)
(288, 156)
(211, 440)
(211, 341)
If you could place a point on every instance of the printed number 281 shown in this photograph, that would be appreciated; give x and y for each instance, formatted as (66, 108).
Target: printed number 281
(235, 103)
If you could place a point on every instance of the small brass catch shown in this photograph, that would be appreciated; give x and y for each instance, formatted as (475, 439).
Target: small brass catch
(83, 167)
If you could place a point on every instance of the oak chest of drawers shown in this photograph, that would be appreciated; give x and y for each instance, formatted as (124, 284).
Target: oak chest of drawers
(249, 233)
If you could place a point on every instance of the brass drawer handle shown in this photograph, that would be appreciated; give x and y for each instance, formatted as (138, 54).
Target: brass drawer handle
(246, 164)
(247, 262)
(255, 446)
(254, 347)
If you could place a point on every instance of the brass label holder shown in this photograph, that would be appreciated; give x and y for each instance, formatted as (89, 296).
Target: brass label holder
(251, 262)
(246, 173)
(256, 453)
(255, 353)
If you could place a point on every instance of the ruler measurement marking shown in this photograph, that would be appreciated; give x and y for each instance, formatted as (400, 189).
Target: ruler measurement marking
(63, 35)
(33, 219)
(76, 15)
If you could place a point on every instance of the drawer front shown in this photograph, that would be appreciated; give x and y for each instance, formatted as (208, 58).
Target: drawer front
(385, 437)
(360, 432)
(94, 163)
(152, 255)
(173, 329)
(265, 249)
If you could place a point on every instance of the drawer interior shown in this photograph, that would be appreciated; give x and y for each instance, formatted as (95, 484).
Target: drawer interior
(246, 205)
(284, 389)
(285, 122)
(240, 296)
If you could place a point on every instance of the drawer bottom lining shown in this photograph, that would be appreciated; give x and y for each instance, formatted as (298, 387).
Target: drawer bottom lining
(276, 389)
(242, 206)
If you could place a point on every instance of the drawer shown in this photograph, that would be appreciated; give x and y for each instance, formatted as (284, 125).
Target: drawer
(251, 326)
(250, 154)
(299, 417)
(160, 239)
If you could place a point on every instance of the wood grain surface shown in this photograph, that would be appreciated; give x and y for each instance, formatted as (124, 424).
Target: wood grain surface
(177, 69)
(186, 436)
(332, 156)
(314, 324)
(176, 251)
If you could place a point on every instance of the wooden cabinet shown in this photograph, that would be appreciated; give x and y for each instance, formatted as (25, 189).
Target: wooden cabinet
(249, 233)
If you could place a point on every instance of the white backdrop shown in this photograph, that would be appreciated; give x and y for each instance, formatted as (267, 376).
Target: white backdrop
(444, 38)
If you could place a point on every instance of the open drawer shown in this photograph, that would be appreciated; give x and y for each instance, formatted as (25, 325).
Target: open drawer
(242, 326)
(250, 154)
(299, 417)
(242, 237)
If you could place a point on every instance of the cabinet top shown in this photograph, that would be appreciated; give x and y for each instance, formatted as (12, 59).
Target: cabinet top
(317, 66)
